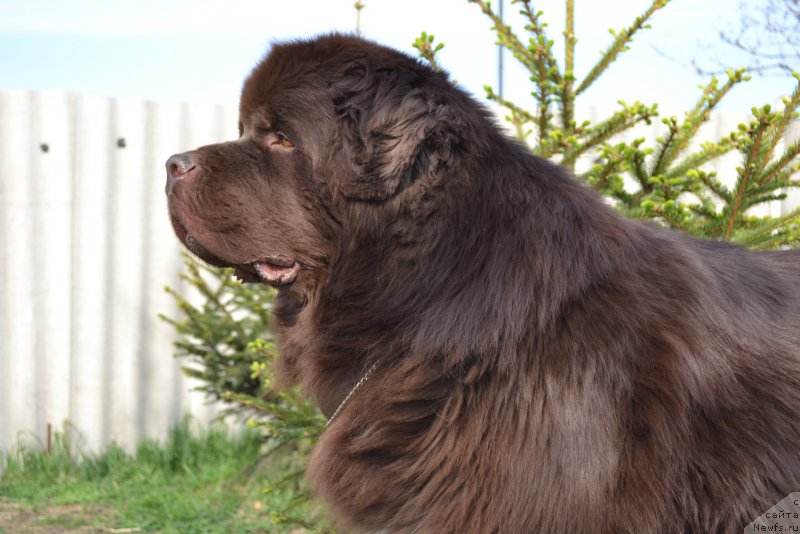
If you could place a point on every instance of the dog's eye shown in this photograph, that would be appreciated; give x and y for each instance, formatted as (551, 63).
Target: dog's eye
(279, 141)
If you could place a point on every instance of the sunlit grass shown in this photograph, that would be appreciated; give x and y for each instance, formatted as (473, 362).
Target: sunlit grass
(194, 481)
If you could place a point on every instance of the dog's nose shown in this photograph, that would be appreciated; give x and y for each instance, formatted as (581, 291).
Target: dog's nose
(178, 165)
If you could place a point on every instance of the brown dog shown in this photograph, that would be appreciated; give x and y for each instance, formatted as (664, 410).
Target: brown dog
(506, 353)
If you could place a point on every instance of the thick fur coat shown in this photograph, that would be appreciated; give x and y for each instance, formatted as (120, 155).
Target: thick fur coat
(541, 364)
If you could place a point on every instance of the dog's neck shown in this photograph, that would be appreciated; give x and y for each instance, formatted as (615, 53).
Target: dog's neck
(355, 388)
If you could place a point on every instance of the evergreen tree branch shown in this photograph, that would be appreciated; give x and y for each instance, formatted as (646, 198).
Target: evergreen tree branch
(778, 171)
(549, 69)
(546, 78)
(213, 296)
(744, 177)
(619, 122)
(427, 51)
(543, 98)
(715, 186)
(679, 139)
(709, 151)
(638, 165)
(778, 131)
(507, 38)
(523, 114)
(518, 118)
(620, 44)
(602, 175)
(567, 93)
(664, 144)
(765, 236)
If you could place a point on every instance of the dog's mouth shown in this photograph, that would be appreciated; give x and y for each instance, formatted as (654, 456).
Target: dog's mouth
(276, 270)
(273, 270)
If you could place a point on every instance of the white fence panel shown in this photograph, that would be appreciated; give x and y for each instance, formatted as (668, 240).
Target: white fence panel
(86, 248)
(792, 201)
(51, 270)
(90, 299)
(18, 327)
(85, 251)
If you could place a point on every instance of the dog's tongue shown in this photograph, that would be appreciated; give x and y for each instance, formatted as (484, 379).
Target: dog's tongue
(278, 272)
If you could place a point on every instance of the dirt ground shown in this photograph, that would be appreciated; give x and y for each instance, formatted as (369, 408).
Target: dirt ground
(60, 519)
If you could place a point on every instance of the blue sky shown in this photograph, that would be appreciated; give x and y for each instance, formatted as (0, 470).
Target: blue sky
(200, 51)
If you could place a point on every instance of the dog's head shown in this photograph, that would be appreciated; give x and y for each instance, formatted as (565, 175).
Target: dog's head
(334, 133)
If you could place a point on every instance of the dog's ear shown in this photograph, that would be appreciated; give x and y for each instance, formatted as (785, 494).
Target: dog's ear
(394, 129)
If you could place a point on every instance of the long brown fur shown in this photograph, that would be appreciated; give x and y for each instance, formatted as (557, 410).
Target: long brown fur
(543, 364)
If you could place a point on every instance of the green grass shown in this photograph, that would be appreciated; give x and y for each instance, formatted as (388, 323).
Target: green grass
(208, 481)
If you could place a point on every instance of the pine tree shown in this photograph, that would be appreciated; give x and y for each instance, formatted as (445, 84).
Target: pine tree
(671, 185)
(224, 337)
(226, 340)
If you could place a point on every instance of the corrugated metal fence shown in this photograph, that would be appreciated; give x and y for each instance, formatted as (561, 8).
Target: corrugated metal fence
(85, 250)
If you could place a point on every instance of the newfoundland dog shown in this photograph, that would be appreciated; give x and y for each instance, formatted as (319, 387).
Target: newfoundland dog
(498, 351)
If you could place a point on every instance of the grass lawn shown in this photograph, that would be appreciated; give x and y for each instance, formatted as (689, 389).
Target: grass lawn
(209, 481)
